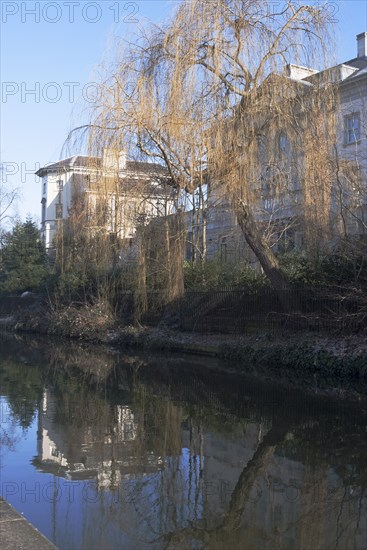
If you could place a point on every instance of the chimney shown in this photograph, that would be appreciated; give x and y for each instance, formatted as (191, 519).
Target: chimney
(362, 44)
(113, 160)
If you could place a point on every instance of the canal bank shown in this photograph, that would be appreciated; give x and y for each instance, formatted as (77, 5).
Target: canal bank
(17, 533)
(315, 364)
(334, 365)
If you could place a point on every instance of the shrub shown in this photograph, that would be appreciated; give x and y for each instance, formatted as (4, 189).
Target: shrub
(24, 264)
(215, 274)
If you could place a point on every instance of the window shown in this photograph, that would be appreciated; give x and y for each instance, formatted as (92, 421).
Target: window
(44, 185)
(285, 240)
(268, 204)
(59, 211)
(43, 202)
(284, 145)
(59, 185)
(223, 250)
(265, 182)
(352, 128)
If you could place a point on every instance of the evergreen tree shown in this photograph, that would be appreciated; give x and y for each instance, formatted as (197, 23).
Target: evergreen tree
(23, 259)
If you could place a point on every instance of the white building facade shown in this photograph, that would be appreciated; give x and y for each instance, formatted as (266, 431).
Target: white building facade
(282, 214)
(117, 194)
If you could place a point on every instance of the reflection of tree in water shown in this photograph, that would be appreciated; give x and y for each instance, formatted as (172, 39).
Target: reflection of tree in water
(224, 535)
(322, 501)
(22, 386)
(170, 496)
(8, 439)
(145, 425)
(337, 446)
(168, 502)
(312, 440)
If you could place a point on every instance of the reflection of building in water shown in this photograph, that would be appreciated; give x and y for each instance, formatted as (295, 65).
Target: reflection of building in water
(126, 427)
(49, 449)
(219, 475)
(101, 445)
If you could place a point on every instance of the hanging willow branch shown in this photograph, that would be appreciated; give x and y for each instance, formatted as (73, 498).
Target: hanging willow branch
(208, 97)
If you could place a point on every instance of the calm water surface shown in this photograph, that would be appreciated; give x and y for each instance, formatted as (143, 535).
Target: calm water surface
(108, 451)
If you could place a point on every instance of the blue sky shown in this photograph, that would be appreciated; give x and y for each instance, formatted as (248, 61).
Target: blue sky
(47, 44)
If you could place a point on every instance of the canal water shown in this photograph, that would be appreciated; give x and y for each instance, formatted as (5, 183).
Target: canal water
(107, 450)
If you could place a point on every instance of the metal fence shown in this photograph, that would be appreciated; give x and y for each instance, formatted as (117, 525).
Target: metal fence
(241, 311)
(233, 311)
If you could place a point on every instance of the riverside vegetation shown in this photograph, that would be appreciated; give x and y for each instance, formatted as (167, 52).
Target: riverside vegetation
(80, 305)
(190, 97)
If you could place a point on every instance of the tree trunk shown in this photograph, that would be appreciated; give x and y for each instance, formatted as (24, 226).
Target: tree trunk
(288, 299)
(260, 247)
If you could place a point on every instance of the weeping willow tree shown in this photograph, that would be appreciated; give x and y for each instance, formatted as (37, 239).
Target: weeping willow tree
(228, 58)
(207, 97)
(127, 117)
(160, 263)
(85, 251)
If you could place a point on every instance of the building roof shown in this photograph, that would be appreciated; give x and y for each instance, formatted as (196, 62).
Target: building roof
(70, 163)
(145, 167)
(95, 163)
(357, 74)
(358, 62)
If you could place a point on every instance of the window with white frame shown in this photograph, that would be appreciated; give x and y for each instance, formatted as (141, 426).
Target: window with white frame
(268, 204)
(352, 128)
